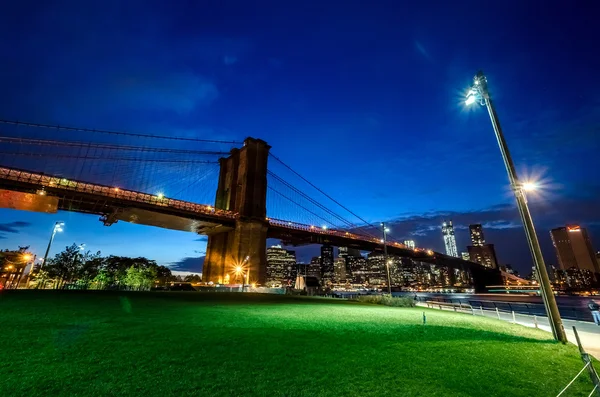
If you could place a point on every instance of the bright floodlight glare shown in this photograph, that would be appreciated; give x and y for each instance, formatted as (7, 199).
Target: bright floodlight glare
(529, 186)
(238, 269)
(324, 227)
(470, 99)
(160, 195)
(387, 229)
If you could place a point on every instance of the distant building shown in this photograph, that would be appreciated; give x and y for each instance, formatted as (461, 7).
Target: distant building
(409, 244)
(377, 270)
(449, 239)
(465, 256)
(574, 248)
(302, 269)
(359, 269)
(281, 267)
(343, 252)
(339, 269)
(476, 232)
(314, 268)
(480, 252)
(484, 255)
(327, 268)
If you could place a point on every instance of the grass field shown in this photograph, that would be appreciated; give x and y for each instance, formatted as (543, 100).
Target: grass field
(77, 343)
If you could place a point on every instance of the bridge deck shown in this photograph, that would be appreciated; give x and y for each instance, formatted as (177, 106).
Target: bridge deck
(87, 197)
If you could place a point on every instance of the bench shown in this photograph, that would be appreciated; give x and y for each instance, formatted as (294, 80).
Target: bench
(455, 306)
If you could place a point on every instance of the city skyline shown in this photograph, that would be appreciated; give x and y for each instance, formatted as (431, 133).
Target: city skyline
(341, 91)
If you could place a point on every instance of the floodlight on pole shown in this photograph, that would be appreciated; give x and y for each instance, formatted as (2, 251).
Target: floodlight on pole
(479, 93)
(58, 227)
(385, 255)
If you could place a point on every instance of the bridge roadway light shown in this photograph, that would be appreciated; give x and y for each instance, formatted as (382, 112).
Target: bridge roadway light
(479, 93)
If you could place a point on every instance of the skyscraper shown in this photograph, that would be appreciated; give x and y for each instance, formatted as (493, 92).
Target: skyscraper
(476, 232)
(281, 267)
(574, 248)
(327, 270)
(314, 268)
(377, 269)
(339, 266)
(410, 244)
(449, 239)
(358, 269)
(480, 252)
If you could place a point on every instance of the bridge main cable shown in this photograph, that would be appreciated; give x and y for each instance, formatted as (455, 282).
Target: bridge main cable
(79, 129)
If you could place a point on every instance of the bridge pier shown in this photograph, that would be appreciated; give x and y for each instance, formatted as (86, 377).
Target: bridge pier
(243, 189)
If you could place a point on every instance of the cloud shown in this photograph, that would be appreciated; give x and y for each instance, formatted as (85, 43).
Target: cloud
(188, 264)
(12, 227)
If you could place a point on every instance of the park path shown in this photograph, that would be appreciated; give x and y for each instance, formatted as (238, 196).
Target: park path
(589, 333)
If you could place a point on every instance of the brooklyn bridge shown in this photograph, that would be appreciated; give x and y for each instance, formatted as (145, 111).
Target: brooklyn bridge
(239, 194)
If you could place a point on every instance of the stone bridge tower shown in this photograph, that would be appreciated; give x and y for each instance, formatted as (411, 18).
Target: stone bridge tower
(243, 189)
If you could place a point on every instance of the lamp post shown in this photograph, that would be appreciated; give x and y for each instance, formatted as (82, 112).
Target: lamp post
(246, 259)
(479, 93)
(57, 228)
(385, 256)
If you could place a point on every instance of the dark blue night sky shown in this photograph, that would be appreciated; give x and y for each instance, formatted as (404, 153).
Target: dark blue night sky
(362, 98)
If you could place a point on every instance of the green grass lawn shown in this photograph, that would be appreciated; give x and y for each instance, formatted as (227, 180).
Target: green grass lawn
(78, 343)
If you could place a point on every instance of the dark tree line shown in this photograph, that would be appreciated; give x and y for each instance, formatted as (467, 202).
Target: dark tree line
(73, 268)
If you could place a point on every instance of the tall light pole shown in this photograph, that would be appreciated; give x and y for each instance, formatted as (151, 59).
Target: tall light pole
(385, 257)
(479, 93)
(57, 228)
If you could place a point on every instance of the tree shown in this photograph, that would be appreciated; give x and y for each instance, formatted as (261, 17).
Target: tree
(140, 278)
(163, 275)
(192, 278)
(65, 265)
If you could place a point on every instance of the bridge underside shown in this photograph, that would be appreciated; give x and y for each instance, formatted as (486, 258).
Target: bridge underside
(22, 196)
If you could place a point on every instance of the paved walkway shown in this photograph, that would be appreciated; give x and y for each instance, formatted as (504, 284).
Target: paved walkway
(589, 333)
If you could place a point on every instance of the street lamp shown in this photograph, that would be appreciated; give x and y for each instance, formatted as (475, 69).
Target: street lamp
(479, 93)
(58, 227)
(385, 256)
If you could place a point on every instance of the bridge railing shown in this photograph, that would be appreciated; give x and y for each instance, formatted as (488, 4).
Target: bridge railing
(44, 181)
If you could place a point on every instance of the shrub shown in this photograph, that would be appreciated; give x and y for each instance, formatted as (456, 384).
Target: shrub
(386, 300)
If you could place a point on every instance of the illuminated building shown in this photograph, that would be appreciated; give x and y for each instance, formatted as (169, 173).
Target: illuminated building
(480, 252)
(314, 268)
(465, 256)
(449, 239)
(377, 271)
(281, 267)
(574, 248)
(339, 268)
(409, 244)
(359, 269)
(476, 232)
(327, 269)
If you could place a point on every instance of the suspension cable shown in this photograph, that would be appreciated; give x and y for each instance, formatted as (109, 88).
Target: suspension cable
(49, 142)
(321, 191)
(78, 129)
(330, 212)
